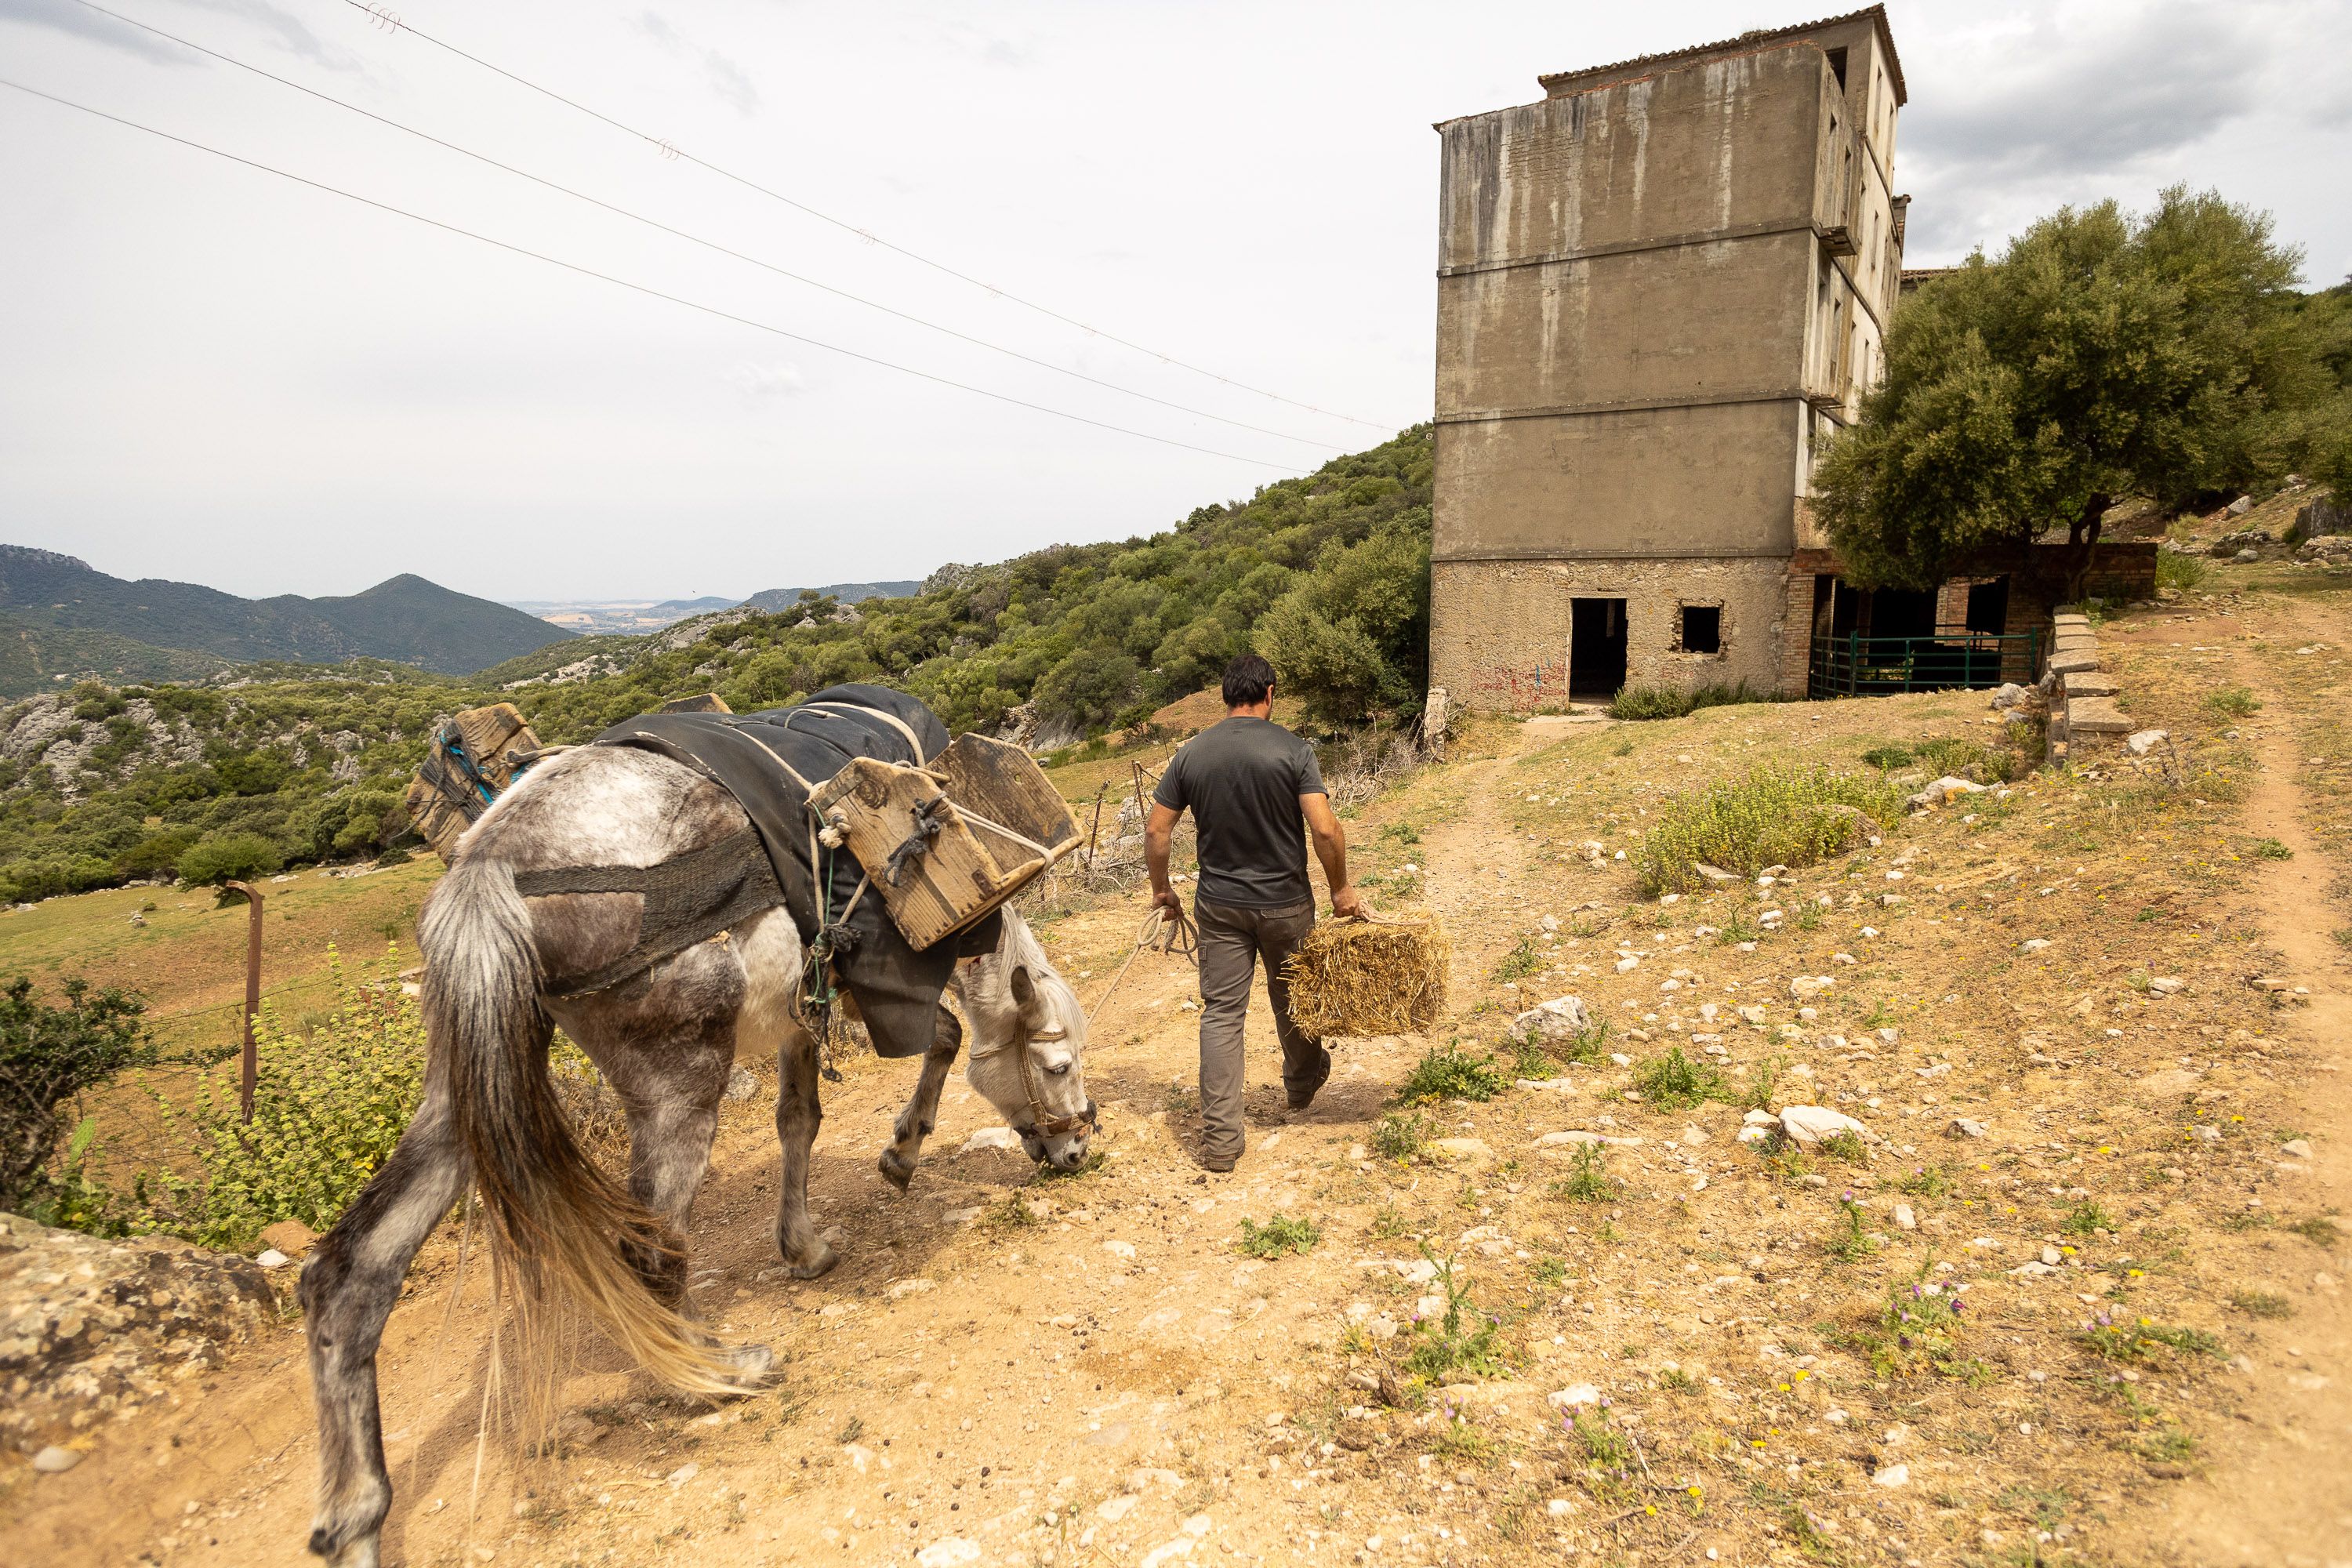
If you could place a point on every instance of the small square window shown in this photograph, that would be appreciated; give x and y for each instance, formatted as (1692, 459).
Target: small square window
(1701, 628)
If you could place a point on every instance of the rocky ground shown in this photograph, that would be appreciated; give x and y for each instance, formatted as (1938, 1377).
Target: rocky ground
(2072, 1296)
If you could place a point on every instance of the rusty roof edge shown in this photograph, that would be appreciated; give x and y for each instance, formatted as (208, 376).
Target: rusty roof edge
(1875, 14)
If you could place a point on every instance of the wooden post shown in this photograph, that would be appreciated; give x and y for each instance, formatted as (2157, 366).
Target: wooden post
(251, 1067)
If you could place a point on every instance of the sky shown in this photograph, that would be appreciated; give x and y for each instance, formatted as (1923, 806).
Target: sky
(217, 374)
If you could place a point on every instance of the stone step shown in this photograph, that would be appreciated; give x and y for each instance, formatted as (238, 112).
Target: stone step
(2097, 716)
(2091, 683)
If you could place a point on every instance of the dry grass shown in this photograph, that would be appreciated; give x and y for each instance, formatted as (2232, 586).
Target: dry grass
(1369, 977)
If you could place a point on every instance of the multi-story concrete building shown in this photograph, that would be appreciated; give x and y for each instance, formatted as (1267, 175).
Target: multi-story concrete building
(1659, 288)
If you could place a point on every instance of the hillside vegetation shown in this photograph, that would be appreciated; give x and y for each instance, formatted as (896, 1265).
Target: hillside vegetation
(281, 764)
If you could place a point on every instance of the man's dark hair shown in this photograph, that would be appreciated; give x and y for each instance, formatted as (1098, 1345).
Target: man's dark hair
(1247, 680)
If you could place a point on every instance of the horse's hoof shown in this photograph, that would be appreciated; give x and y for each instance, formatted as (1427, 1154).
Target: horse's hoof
(896, 1168)
(820, 1262)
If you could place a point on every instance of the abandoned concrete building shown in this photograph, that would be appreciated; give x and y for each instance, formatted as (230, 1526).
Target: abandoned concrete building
(1659, 288)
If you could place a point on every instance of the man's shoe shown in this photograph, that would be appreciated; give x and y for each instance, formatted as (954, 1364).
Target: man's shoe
(1300, 1099)
(1218, 1167)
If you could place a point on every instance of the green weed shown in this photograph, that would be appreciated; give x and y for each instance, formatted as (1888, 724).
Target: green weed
(2086, 1218)
(2318, 1229)
(2272, 850)
(1676, 1082)
(1447, 1072)
(2263, 1304)
(1587, 1181)
(1845, 1145)
(1927, 1181)
(2138, 1339)
(1521, 962)
(1460, 1339)
(1771, 816)
(1848, 1242)
(1277, 1238)
(1400, 1136)
(1640, 702)
(2234, 701)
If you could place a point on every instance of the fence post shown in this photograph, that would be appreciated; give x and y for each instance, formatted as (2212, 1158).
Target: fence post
(250, 1069)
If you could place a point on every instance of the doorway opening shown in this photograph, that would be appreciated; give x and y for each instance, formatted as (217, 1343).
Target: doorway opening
(1596, 647)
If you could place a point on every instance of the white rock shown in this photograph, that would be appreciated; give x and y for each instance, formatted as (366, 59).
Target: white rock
(1807, 1125)
(2033, 944)
(1760, 1118)
(1714, 873)
(272, 1258)
(1561, 1018)
(740, 1084)
(1904, 1219)
(56, 1462)
(990, 1138)
(1573, 1396)
(955, 1550)
(1962, 1127)
(1941, 792)
(2298, 1147)
(2144, 741)
(1807, 988)
(1891, 1476)
(1112, 1509)
(1626, 965)
(1122, 1250)
(902, 1288)
(2165, 985)
(2010, 695)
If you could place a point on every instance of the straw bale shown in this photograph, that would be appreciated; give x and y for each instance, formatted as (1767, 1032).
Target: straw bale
(1369, 977)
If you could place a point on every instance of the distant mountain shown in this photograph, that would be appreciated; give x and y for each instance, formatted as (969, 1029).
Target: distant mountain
(771, 600)
(60, 617)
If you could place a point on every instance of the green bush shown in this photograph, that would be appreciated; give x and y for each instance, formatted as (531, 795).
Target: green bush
(50, 1054)
(1773, 816)
(1672, 702)
(329, 1104)
(229, 857)
(1278, 1238)
(1351, 638)
(2178, 570)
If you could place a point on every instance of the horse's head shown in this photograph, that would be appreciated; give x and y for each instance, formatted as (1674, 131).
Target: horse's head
(1029, 1036)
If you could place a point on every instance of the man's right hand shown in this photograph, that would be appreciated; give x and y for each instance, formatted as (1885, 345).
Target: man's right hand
(1349, 904)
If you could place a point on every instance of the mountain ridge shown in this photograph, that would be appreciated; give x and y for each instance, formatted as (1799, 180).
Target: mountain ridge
(60, 617)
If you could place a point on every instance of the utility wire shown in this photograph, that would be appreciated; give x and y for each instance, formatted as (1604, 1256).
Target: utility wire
(695, 239)
(386, 19)
(644, 288)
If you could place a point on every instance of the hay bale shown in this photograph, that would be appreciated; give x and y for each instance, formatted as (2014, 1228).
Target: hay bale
(1369, 977)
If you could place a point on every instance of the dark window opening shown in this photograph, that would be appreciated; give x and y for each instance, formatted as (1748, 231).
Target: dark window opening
(1596, 647)
(1701, 628)
(1989, 606)
(1837, 65)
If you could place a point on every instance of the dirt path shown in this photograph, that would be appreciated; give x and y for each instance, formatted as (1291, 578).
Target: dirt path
(2278, 1489)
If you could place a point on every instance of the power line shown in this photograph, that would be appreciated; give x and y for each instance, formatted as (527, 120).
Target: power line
(697, 240)
(644, 289)
(671, 150)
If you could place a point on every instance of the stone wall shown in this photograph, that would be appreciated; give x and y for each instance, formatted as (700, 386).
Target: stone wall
(1499, 630)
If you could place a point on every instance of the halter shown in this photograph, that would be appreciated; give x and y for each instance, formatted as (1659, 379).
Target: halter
(1039, 1123)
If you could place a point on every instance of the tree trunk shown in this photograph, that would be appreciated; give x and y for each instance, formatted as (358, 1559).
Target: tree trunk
(2083, 539)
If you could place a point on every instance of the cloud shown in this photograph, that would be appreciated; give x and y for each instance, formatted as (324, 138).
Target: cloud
(730, 81)
(65, 16)
(293, 34)
(2014, 112)
(760, 382)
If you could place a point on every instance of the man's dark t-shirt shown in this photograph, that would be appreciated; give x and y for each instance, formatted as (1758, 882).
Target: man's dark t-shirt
(1241, 780)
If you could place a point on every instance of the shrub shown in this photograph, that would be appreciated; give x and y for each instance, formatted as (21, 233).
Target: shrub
(1772, 815)
(229, 857)
(48, 1057)
(1918, 1328)
(1671, 702)
(2178, 570)
(1587, 1181)
(328, 1107)
(1351, 636)
(2114, 1340)
(1447, 1072)
(1278, 1238)
(2233, 702)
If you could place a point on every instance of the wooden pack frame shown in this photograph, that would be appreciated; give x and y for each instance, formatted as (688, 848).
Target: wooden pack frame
(443, 802)
(946, 844)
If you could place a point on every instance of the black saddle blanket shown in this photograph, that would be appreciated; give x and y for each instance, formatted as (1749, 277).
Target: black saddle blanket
(897, 988)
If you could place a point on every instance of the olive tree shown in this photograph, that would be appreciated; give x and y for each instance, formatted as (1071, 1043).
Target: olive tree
(2103, 355)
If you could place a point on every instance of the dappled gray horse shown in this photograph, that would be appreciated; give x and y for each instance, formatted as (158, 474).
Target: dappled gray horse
(665, 1040)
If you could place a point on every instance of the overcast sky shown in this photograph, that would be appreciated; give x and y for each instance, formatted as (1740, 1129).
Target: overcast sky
(215, 374)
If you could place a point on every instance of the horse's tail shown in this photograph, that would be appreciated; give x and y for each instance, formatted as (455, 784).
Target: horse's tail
(555, 1221)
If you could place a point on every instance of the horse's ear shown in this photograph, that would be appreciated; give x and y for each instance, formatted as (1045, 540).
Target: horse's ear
(1025, 989)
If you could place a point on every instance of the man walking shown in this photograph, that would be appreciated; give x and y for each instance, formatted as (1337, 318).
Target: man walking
(1256, 793)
